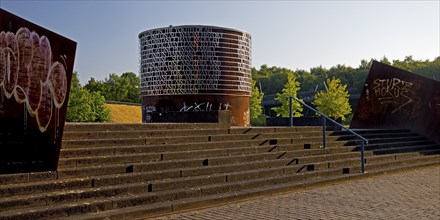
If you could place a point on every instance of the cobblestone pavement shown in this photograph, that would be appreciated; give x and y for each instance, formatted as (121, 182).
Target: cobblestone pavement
(411, 194)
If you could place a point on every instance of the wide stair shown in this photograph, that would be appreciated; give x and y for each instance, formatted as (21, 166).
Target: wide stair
(117, 171)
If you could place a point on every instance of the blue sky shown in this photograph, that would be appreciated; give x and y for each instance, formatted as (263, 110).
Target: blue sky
(291, 34)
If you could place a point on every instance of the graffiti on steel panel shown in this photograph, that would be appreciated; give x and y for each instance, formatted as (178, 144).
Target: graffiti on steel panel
(28, 75)
(184, 60)
(399, 93)
(196, 107)
(147, 110)
(246, 116)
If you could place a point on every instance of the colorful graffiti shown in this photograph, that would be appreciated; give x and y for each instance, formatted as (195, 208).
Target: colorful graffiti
(28, 74)
(35, 72)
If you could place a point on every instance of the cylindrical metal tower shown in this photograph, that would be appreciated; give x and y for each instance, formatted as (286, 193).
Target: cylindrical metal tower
(196, 68)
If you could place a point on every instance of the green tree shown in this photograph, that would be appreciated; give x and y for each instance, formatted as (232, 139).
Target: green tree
(290, 89)
(85, 106)
(100, 111)
(124, 88)
(334, 101)
(133, 94)
(307, 81)
(256, 109)
(116, 87)
(94, 85)
(78, 107)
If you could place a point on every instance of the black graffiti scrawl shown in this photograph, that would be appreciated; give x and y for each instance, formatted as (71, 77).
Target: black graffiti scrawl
(35, 72)
(394, 98)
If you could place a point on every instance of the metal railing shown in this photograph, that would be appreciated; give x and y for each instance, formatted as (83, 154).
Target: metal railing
(364, 141)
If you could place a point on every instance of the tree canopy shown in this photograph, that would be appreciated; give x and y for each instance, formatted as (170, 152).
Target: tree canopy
(334, 101)
(255, 107)
(124, 88)
(85, 106)
(273, 78)
(290, 89)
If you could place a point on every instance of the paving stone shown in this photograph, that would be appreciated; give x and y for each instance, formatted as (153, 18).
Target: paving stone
(413, 194)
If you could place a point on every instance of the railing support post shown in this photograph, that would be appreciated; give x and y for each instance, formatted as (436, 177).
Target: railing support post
(362, 157)
(324, 128)
(290, 112)
(324, 124)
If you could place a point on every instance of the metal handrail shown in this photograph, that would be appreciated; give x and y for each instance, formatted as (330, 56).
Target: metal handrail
(324, 118)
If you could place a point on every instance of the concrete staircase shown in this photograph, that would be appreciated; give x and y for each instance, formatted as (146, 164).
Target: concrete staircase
(118, 171)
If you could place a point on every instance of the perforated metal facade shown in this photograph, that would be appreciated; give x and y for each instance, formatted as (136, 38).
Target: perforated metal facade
(195, 68)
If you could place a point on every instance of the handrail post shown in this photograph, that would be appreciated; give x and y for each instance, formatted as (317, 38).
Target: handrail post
(362, 157)
(324, 128)
(324, 118)
(290, 112)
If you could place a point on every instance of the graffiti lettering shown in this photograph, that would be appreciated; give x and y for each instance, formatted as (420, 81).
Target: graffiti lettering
(394, 91)
(146, 110)
(30, 75)
(207, 107)
(149, 108)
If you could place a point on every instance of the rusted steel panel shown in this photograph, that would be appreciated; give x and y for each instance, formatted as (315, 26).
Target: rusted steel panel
(394, 98)
(35, 73)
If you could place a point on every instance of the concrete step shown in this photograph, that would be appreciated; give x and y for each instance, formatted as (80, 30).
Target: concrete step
(48, 198)
(235, 162)
(6, 179)
(81, 143)
(213, 184)
(373, 167)
(159, 148)
(123, 163)
(110, 158)
(69, 127)
(373, 135)
(169, 167)
(398, 139)
(138, 133)
(212, 169)
(253, 130)
(399, 144)
(132, 141)
(404, 148)
(129, 200)
(374, 131)
(151, 210)
(43, 186)
(81, 135)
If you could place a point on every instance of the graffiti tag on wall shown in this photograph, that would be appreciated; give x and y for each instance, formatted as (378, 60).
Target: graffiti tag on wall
(204, 107)
(396, 92)
(146, 110)
(28, 74)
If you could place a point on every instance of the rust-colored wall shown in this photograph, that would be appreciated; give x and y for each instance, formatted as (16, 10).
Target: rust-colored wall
(237, 105)
(35, 73)
(394, 98)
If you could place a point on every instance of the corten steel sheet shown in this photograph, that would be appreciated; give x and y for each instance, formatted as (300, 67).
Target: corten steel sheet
(35, 72)
(196, 68)
(394, 98)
